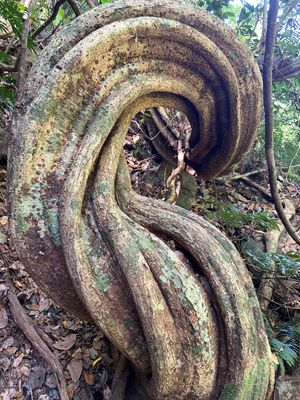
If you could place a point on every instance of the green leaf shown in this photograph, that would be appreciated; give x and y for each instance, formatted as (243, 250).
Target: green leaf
(59, 17)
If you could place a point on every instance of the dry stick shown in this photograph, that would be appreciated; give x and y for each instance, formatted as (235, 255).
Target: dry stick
(257, 171)
(292, 160)
(90, 3)
(8, 68)
(269, 121)
(75, 7)
(263, 191)
(26, 325)
(291, 70)
(23, 51)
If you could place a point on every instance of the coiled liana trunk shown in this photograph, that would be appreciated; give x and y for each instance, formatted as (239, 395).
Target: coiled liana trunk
(191, 327)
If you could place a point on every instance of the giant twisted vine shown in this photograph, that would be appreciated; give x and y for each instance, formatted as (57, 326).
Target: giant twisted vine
(191, 328)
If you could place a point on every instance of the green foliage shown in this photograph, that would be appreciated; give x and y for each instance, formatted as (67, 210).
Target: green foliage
(11, 14)
(232, 217)
(217, 7)
(284, 341)
(59, 17)
(286, 265)
(11, 11)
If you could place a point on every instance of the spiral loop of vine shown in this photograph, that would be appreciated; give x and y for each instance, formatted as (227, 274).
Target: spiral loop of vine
(191, 328)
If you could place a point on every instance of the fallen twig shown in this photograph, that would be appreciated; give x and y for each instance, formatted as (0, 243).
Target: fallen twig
(25, 323)
(262, 190)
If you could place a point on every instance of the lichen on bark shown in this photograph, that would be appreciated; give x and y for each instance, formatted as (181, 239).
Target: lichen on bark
(191, 328)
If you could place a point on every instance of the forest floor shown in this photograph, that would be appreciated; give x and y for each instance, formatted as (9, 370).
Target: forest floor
(80, 347)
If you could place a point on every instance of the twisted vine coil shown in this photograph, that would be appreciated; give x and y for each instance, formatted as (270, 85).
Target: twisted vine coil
(191, 328)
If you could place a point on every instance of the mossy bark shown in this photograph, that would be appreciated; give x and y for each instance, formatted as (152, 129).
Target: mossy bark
(190, 326)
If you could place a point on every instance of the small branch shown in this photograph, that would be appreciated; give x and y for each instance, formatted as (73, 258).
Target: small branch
(290, 69)
(90, 3)
(246, 174)
(292, 160)
(180, 168)
(73, 4)
(25, 323)
(263, 191)
(257, 171)
(23, 51)
(269, 120)
(8, 68)
(285, 15)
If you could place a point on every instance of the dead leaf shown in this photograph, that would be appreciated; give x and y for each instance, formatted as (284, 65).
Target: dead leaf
(7, 343)
(37, 379)
(275, 358)
(89, 378)
(4, 365)
(44, 304)
(18, 360)
(107, 393)
(5, 396)
(3, 317)
(77, 354)
(4, 220)
(75, 369)
(66, 343)
(11, 350)
(3, 238)
(51, 381)
(3, 289)
(25, 370)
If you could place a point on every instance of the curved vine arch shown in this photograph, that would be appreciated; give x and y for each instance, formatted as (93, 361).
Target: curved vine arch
(191, 328)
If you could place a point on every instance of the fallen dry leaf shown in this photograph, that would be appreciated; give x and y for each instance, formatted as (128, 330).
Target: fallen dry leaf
(89, 378)
(5, 396)
(45, 303)
(18, 360)
(3, 317)
(75, 369)
(4, 220)
(7, 343)
(3, 289)
(66, 343)
(107, 393)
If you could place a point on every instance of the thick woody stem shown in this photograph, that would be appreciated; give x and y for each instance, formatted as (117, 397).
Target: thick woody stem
(189, 325)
